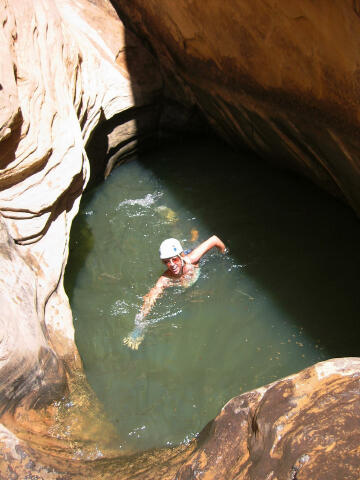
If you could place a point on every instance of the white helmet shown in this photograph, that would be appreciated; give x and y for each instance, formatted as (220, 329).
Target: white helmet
(170, 248)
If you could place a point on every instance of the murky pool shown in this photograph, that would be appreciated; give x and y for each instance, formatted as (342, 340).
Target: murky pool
(285, 297)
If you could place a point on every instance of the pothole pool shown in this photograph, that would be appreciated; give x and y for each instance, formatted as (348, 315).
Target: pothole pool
(283, 298)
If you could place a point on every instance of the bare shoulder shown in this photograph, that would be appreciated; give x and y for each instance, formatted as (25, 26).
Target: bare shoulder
(163, 281)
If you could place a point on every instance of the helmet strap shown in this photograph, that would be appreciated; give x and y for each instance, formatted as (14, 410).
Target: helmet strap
(182, 263)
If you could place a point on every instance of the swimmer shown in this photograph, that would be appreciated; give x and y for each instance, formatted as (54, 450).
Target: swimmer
(181, 269)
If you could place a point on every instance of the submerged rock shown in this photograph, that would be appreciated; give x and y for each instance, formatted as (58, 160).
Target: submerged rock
(167, 214)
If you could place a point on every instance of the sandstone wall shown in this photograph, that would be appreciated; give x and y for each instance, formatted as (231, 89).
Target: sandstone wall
(280, 77)
(63, 70)
(303, 427)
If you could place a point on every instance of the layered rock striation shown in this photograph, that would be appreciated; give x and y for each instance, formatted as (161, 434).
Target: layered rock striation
(63, 72)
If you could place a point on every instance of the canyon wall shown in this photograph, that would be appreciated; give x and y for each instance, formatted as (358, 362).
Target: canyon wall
(63, 72)
(270, 76)
(280, 78)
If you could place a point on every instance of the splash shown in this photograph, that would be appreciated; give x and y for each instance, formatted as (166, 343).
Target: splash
(146, 202)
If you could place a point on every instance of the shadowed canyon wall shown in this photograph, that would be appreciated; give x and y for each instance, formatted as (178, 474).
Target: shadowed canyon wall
(75, 84)
(281, 78)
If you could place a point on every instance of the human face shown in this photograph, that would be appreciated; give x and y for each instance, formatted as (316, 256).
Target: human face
(174, 264)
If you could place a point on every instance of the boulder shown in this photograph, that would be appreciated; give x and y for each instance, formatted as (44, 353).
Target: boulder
(302, 427)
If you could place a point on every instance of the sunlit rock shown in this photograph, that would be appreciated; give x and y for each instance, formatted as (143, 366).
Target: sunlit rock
(302, 427)
(64, 70)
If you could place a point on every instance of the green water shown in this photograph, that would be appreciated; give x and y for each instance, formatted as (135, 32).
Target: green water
(285, 297)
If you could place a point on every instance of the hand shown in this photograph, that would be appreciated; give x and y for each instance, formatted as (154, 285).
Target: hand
(135, 337)
(133, 342)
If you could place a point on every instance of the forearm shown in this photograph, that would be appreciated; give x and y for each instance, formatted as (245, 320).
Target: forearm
(149, 301)
(218, 243)
(151, 297)
(199, 251)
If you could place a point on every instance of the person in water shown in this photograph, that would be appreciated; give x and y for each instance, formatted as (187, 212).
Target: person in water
(182, 268)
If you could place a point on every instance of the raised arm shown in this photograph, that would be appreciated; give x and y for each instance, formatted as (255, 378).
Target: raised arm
(214, 241)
